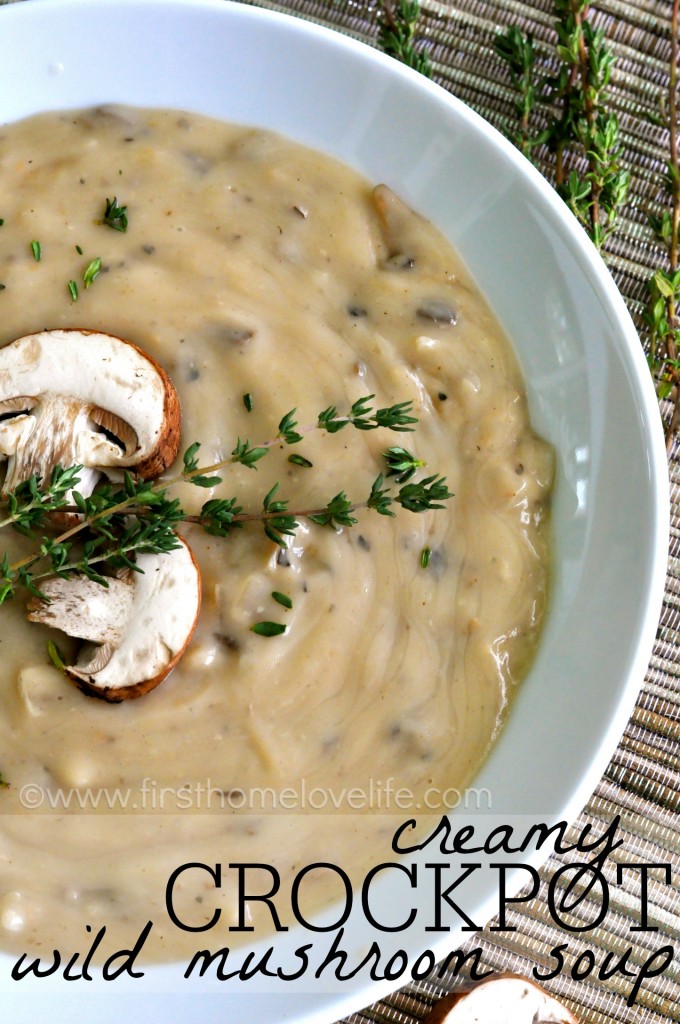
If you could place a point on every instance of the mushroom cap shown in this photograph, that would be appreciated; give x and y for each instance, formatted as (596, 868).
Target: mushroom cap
(501, 999)
(109, 374)
(138, 628)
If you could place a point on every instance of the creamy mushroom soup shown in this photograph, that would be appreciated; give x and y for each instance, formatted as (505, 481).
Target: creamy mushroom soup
(264, 276)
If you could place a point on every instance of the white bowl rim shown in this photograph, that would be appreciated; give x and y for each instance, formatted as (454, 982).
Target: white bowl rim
(654, 584)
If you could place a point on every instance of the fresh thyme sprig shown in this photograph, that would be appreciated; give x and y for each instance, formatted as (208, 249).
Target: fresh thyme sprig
(518, 52)
(114, 534)
(577, 127)
(661, 314)
(397, 28)
(220, 516)
(114, 524)
(361, 416)
(27, 506)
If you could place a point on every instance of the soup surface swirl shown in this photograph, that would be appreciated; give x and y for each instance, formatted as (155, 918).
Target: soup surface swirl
(253, 266)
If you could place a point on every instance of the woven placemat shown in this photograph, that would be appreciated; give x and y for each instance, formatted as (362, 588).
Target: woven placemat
(642, 781)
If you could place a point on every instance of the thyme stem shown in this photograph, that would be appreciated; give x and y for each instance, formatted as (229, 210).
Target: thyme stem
(85, 524)
(661, 314)
(580, 14)
(673, 133)
(675, 217)
(138, 518)
(578, 124)
(563, 132)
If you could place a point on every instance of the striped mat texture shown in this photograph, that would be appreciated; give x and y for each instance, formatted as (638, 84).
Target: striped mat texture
(642, 781)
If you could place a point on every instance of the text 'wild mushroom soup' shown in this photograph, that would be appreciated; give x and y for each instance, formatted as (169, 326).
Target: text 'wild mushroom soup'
(254, 267)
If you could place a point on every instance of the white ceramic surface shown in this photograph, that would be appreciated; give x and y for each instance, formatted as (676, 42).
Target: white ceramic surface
(588, 384)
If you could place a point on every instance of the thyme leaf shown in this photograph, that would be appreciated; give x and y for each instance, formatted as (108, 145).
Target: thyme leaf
(92, 271)
(115, 215)
(401, 464)
(287, 432)
(248, 455)
(300, 460)
(55, 656)
(268, 628)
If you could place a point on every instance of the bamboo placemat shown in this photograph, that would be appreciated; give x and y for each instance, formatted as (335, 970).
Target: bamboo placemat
(642, 781)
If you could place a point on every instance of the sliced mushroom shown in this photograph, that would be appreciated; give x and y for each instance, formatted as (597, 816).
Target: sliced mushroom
(77, 397)
(501, 999)
(400, 228)
(136, 629)
(438, 311)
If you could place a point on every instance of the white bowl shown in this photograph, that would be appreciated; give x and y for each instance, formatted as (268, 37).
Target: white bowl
(589, 392)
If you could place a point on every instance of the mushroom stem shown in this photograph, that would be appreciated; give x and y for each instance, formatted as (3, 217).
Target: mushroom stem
(398, 227)
(45, 437)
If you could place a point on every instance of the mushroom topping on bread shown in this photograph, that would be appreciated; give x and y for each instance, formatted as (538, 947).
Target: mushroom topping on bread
(136, 628)
(501, 999)
(85, 398)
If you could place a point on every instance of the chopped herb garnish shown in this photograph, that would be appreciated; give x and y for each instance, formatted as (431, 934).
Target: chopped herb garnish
(55, 656)
(79, 250)
(300, 460)
(92, 270)
(248, 402)
(3, 782)
(2, 221)
(268, 628)
(73, 288)
(282, 599)
(116, 216)
(2, 287)
(36, 249)
(425, 557)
